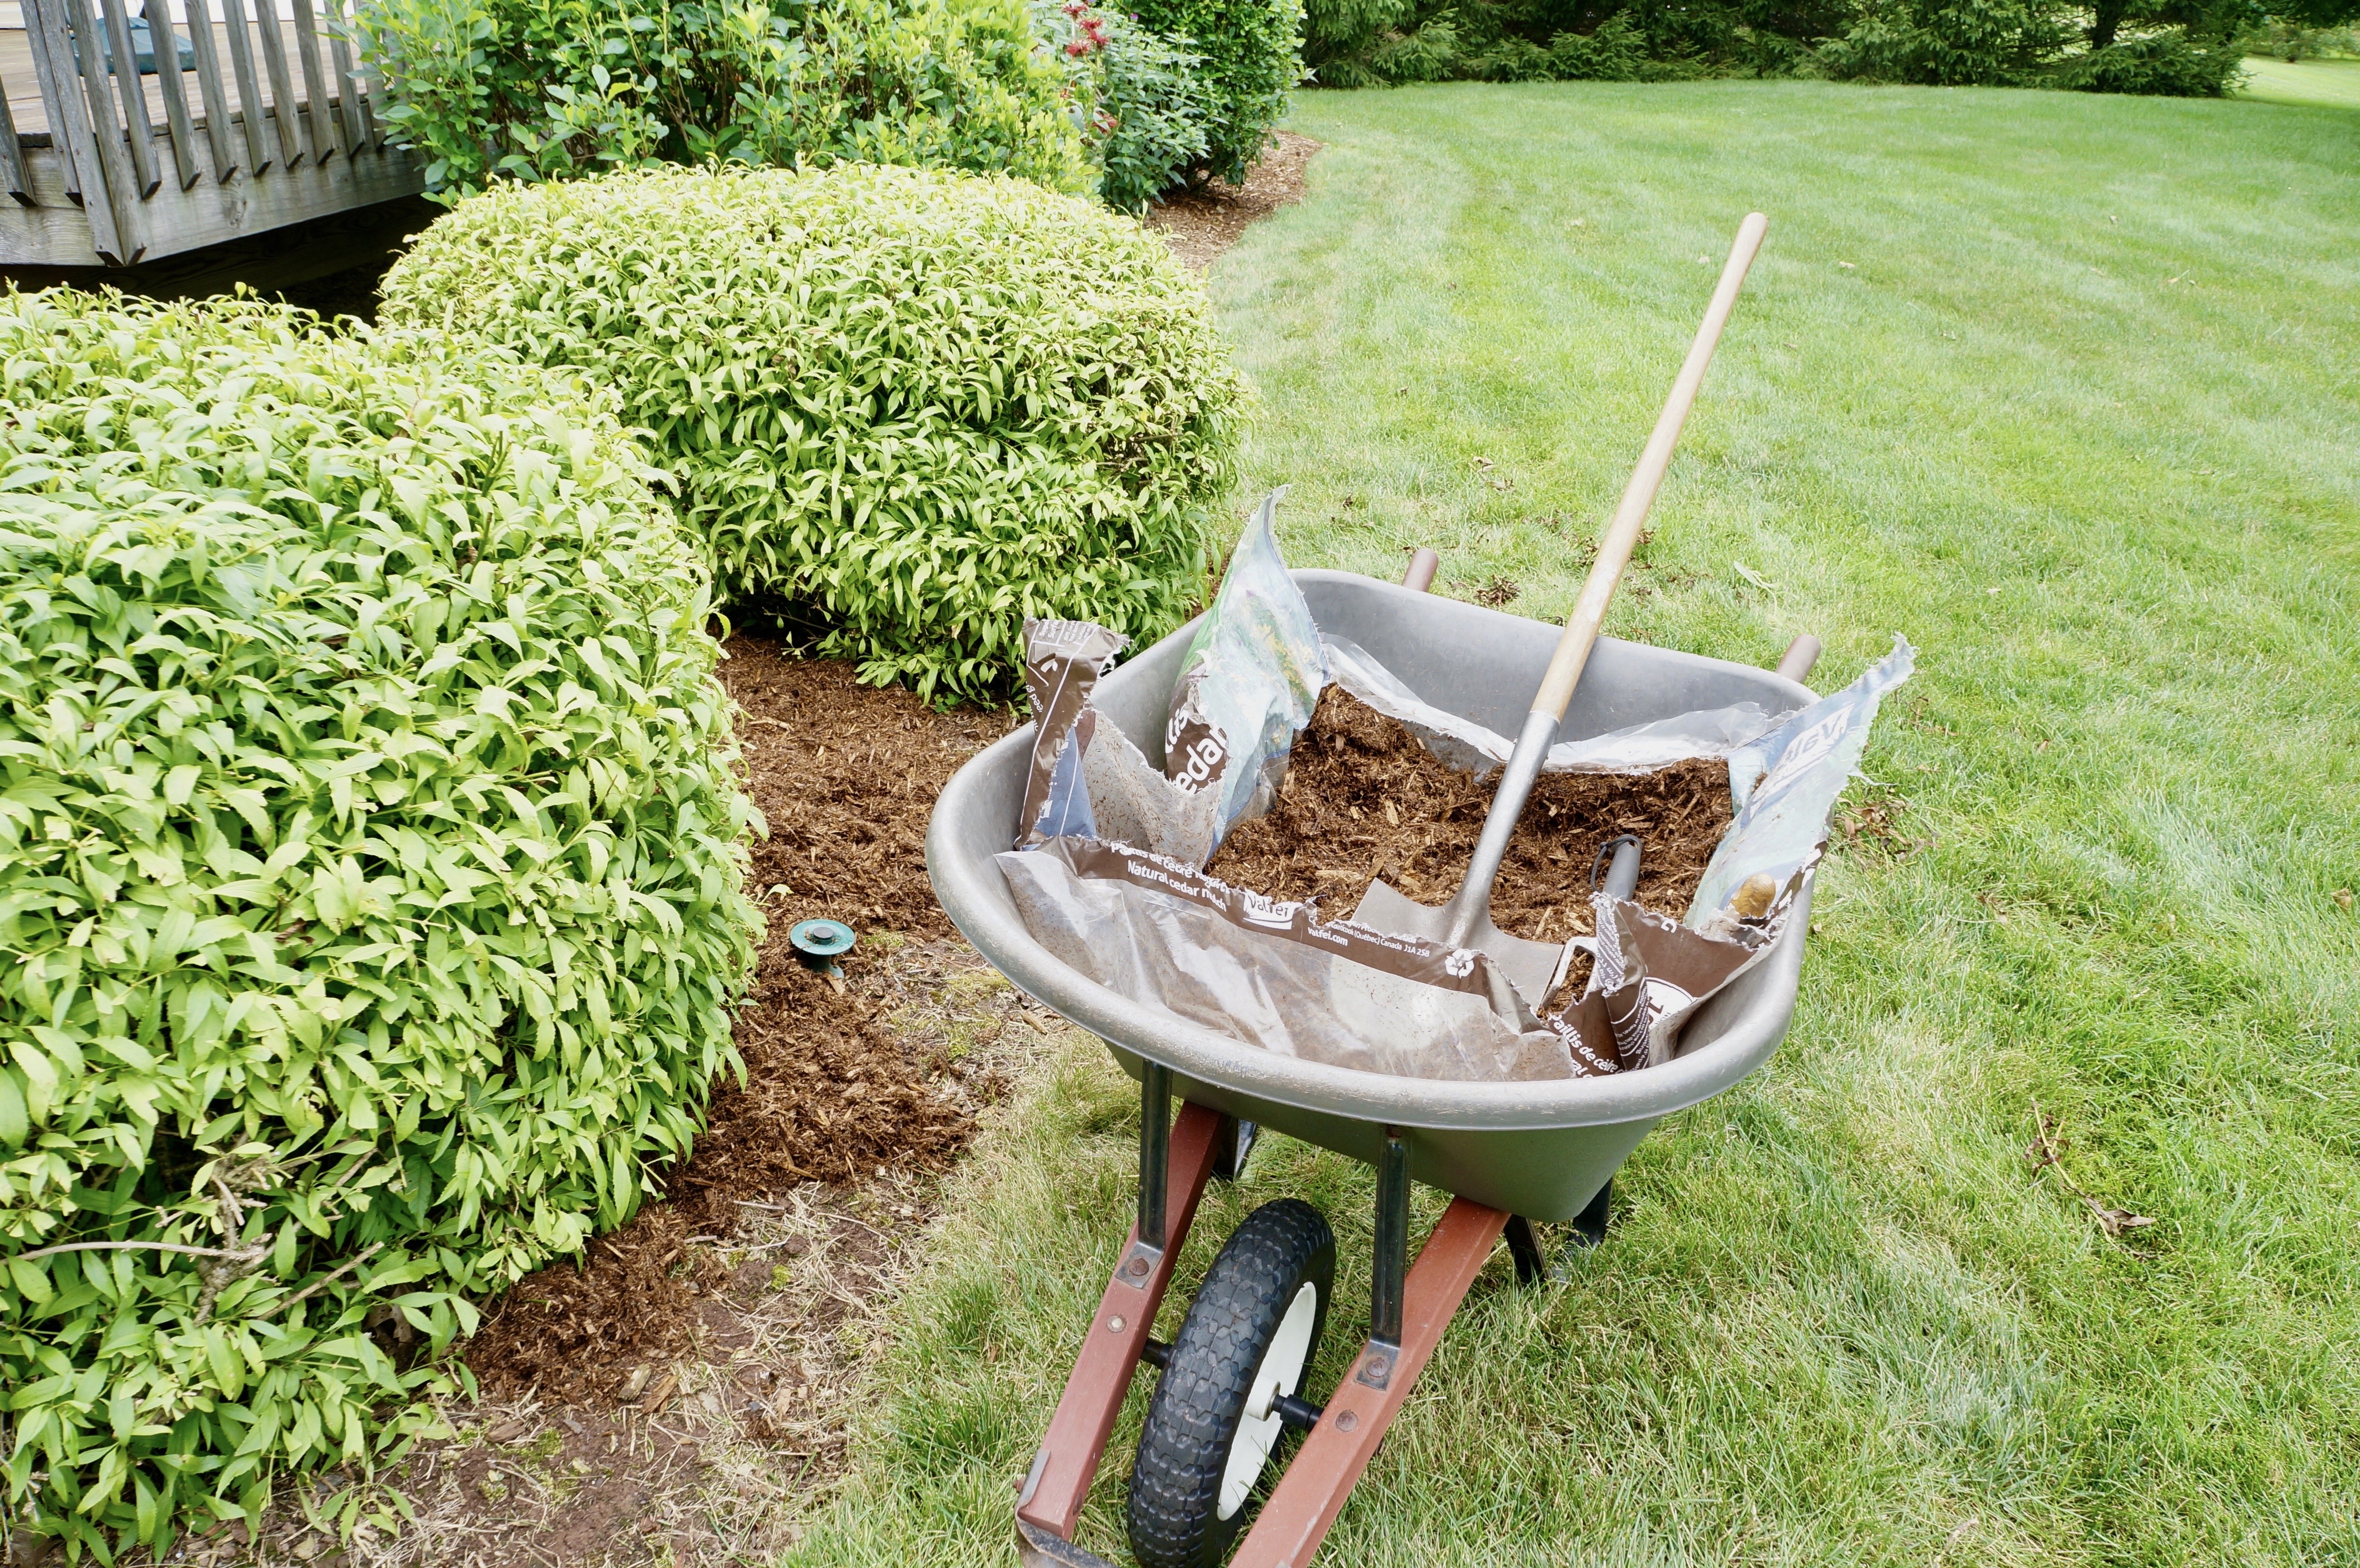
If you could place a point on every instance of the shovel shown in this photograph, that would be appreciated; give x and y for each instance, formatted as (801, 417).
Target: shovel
(1533, 967)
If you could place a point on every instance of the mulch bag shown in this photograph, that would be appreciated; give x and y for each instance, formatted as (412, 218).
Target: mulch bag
(1652, 973)
(1785, 784)
(1063, 660)
(1274, 974)
(1470, 748)
(1247, 686)
(1086, 778)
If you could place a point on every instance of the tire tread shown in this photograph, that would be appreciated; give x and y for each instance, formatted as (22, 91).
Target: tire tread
(1175, 1483)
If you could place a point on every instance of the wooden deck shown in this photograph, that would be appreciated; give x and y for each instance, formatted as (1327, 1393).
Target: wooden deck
(32, 115)
(298, 134)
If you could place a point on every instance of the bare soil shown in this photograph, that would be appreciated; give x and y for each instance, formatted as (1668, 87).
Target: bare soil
(1363, 799)
(845, 775)
(1202, 223)
(668, 1395)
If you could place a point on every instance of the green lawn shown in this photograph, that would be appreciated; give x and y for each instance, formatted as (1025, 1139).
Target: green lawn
(2063, 387)
(2334, 82)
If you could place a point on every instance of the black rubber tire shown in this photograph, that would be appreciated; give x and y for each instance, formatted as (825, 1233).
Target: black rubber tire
(1192, 1421)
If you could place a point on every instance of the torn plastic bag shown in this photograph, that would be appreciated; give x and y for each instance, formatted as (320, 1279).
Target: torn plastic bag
(1063, 660)
(1785, 784)
(1470, 748)
(1087, 779)
(1272, 974)
(1651, 974)
(1247, 684)
(1131, 802)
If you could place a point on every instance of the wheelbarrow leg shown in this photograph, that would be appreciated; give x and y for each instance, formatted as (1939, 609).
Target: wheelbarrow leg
(1588, 1229)
(1309, 1496)
(1237, 1142)
(1525, 1245)
(1389, 1270)
(1589, 1225)
(1177, 1160)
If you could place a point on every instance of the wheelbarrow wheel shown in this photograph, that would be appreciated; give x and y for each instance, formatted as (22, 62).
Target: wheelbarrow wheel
(1249, 1337)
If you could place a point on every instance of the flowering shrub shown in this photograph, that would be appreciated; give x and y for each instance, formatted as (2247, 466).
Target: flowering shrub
(915, 407)
(532, 90)
(1139, 97)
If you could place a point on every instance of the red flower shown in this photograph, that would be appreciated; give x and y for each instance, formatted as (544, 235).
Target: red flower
(1077, 47)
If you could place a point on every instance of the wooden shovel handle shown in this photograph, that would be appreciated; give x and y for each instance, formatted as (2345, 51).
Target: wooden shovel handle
(1621, 535)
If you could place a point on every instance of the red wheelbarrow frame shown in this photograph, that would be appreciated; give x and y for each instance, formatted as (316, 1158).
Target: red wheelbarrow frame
(1411, 1305)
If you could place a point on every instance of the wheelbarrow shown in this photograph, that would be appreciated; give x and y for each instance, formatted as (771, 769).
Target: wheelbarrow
(1512, 1154)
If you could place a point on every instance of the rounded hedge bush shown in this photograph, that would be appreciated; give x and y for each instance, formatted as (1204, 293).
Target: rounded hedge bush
(369, 873)
(918, 407)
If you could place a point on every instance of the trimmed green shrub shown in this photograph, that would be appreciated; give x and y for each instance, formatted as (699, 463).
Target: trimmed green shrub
(1360, 43)
(1949, 43)
(1138, 94)
(2027, 43)
(369, 874)
(1252, 53)
(917, 407)
(2168, 64)
(531, 90)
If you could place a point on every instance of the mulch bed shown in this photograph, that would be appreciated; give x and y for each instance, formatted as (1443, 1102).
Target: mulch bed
(1364, 798)
(846, 776)
(1201, 223)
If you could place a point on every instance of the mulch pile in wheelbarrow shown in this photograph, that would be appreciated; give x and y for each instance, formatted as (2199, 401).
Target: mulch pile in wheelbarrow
(846, 776)
(1364, 799)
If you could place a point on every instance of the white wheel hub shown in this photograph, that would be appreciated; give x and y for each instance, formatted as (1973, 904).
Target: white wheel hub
(1280, 1373)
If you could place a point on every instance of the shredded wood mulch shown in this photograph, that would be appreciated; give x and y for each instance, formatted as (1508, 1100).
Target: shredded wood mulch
(845, 777)
(1364, 798)
(1203, 220)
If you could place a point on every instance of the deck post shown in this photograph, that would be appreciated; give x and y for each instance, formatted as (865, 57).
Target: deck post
(363, 85)
(125, 83)
(116, 230)
(174, 85)
(46, 72)
(294, 136)
(209, 86)
(249, 90)
(348, 86)
(315, 84)
(20, 182)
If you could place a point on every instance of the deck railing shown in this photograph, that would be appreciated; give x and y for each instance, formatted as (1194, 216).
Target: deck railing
(123, 166)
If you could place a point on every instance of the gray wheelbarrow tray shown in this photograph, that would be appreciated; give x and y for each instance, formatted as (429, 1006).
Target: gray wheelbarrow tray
(1510, 1153)
(1542, 1150)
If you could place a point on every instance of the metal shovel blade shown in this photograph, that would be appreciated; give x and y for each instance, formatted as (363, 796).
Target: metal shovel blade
(1531, 966)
